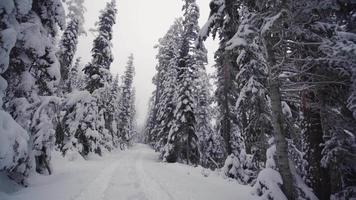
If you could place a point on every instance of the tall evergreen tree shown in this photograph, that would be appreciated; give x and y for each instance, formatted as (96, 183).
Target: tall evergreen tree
(14, 154)
(182, 142)
(34, 75)
(126, 109)
(69, 41)
(98, 69)
(76, 77)
(165, 82)
(87, 124)
(233, 85)
(115, 99)
(226, 95)
(297, 56)
(236, 32)
(212, 152)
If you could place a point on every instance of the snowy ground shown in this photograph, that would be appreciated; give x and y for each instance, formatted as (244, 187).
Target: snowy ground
(135, 174)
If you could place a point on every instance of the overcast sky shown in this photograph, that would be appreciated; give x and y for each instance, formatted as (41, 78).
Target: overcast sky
(140, 23)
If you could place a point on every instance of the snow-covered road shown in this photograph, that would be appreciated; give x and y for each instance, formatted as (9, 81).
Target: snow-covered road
(135, 174)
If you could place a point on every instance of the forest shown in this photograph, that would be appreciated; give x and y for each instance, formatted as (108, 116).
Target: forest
(276, 120)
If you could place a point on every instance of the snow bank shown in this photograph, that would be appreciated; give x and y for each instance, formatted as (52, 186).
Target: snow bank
(269, 181)
(268, 185)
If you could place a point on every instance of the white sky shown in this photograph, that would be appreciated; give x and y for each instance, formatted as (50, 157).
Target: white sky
(139, 25)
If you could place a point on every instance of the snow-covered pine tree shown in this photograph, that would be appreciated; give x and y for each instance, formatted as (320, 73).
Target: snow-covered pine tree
(69, 41)
(182, 145)
(126, 111)
(76, 77)
(165, 81)
(325, 57)
(133, 123)
(304, 60)
(316, 83)
(268, 19)
(98, 69)
(86, 125)
(224, 20)
(115, 95)
(99, 77)
(211, 145)
(226, 95)
(68, 46)
(76, 82)
(71, 78)
(234, 28)
(253, 105)
(150, 121)
(14, 154)
(34, 74)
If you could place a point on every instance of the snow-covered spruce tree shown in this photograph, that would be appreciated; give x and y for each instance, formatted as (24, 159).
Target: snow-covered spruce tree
(309, 58)
(133, 123)
(261, 17)
(211, 146)
(165, 81)
(99, 77)
(79, 125)
(98, 69)
(76, 77)
(69, 41)
(253, 105)
(150, 121)
(115, 99)
(34, 74)
(67, 50)
(126, 109)
(14, 153)
(64, 130)
(223, 20)
(326, 60)
(105, 101)
(269, 19)
(86, 125)
(230, 90)
(182, 145)
(317, 75)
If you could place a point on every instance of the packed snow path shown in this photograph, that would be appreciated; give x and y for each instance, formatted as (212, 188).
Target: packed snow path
(135, 174)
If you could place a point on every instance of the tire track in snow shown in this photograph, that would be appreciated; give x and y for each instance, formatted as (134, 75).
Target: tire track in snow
(152, 188)
(96, 189)
(125, 184)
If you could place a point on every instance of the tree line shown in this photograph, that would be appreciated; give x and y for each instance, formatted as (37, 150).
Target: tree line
(48, 99)
(282, 114)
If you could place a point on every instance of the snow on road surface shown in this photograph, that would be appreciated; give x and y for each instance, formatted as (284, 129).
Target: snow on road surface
(135, 174)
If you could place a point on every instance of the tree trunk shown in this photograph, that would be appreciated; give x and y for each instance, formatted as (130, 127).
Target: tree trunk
(226, 123)
(270, 40)
(318, 176)
(280, 140)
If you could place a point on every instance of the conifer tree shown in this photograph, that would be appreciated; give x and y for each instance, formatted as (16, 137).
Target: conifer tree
(98, 69)
(76, 77)
(182, 145)
(34, 75)
(166, 85)
(115, 99)
(295, 57)
(69, 41)
(211, 147)
(87, 125)
(14, 154)
(227, 69)
(126, 109)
